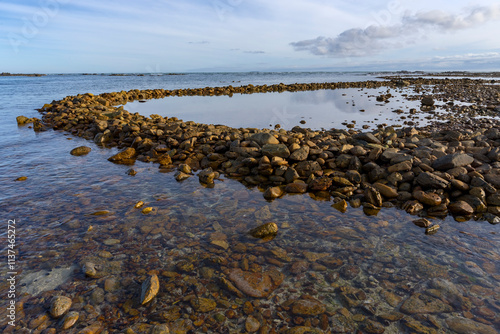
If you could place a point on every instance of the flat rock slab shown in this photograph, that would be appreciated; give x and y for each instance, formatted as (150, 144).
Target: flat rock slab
(45, 280)
(256, 285)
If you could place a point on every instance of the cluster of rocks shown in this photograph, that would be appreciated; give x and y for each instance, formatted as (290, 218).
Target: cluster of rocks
(429, 173)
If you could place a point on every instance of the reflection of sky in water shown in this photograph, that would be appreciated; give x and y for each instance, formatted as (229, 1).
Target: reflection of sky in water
(320, 109)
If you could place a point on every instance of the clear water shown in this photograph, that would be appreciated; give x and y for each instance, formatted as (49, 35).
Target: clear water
(56, 228)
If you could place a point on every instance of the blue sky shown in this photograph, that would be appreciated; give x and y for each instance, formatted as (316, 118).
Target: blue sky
(64, 36)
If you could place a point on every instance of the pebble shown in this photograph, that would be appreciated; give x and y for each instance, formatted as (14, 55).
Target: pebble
(69, 319)
(80, 150)
(252, 325)
(59, 306)
(150, 288)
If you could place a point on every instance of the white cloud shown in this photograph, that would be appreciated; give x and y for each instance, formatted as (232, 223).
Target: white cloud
(358, 42)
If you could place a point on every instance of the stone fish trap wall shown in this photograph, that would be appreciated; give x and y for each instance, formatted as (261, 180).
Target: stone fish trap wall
(425, 173)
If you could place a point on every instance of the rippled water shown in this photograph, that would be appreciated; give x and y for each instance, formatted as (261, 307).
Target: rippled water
(364, 270)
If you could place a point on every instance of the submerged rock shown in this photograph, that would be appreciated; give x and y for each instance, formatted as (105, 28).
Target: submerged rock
(150, 288)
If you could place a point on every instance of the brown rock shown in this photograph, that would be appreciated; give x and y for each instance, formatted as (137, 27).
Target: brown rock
(461, 208)
(373, 196)
(125, 157)
(80, 150)
(273, 192)
(309, 306)
(466, 326)
(59, 306)
(428, 198)
(385, 190)
(252, 324)
(296, 188)
(422, 222)
(264, 230)
(256, 285)
(419, 303)
(150, 288)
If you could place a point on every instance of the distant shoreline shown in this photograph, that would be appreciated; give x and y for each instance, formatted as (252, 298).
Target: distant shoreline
(6, 74)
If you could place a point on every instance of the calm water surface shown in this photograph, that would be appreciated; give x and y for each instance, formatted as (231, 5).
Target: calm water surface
(73, 210)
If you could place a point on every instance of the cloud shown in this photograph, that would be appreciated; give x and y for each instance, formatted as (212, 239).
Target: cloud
(359, 42)
(200, 42)
(254, 52)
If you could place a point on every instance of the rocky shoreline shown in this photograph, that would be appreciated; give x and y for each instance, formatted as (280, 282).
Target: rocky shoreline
(449, 167)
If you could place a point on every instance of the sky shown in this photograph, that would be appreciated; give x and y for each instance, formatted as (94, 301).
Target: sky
(96, 36)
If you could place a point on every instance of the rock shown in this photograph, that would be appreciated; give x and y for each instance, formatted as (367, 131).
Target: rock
(432, 229)
(22, 120)
(467, 326)
(429, 180)
(207, 175)
(461, 208)
(296, 188)
(301, 154)
(340, 206)
(320, 184)
(59, 306)
(264, 230)
(427, 101)
(452, 161)
(403, 166)
(275, 150)
(419, 303)
(125, 157)
(263, 138)
(291, 175)
(373, 327)
(303, 330)
(367, 137)
(69, 319)
(80, 150)
(385, 190)
(349, 271)
(428, 198)
(180, 176)
(422, 222)
(252, 325)
(150, 288)
(373, 196)
(273, 192)
(309, 306)
(203, 305)
(257, 285)
(342, 324)
(89, 268)
(160, 329)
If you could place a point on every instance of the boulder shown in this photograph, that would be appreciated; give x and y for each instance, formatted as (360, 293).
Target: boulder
(263, 138)
(275, 150)
(452, 161)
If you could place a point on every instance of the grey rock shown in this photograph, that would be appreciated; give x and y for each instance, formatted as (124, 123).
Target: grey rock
(368, 137)
(452, 161)
(275, 150)
(291, 175)
(45, 280)
(429, 180)
(467, 326)
(306, 168)
(301, 154)
(263, 138)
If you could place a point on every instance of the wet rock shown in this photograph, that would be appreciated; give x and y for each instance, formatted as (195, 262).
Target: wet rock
(352, 297)
(349, 271)
(273, 192)
(22, 120)
(428, 198)
(427, 101)
(275, 150)
(207, 176)
(125, 157)
(368, 137)
(429, 180)
(461, 208)
(419, 303)
(340, 206)
(342, 324)
(452, 161)
(373, 327)
(203, 305)
(69, 319)
(466, 326)
(256, 285)
(303, 330)
(80, 150)
(432, 229)
(252, 325)
(160, 329)
(59, 306)
(373, 196)
(306, 168)
(309, 306)
(264, 230)
(149, 289)
(320, 184)
(417, 327)
(385, 190)
(422, 222)
(296, 188)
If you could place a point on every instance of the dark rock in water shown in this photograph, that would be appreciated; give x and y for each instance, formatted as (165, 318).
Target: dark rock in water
(257, 285)
(373, 196)
(308, 306)
(207, 176)
(264, 230)
(273, 192)
(373, 327)
(275, 150)
(80, 150)
(342, 324)
(125, 157)
(429, 180)
(452, 161)
(427, 101)
(467, 326)
(296, 188)
(461, 208)
(150, 288)
(263, 138)
(349, 271)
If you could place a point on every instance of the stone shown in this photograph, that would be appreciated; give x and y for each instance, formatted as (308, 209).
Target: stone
(422, 222)
(307, 168)
(368, 137)
(296, 188)
(257, 285)
(59, 306)
(301, 154)
(373, 327)
(303, 330)
(403, 166)
(203, 305)
(80, 150)
(21, 120)
(467, 326)
(275, 150)
(69, 319)
(149, 289)
(125, 157)
(252, 325)
(342, 324)
(427, 101)
(419, 303)
(160, 329)
(273, 192)
(264, 230)
(429, 180)
(340, 205)
(461, 208)
(320, 184)
(308, 307)
(428, 198)
(291, 175)
(349, 271)
(263, 138)
(207, 175)
(373, 196)
(452, 161)
(385, 190)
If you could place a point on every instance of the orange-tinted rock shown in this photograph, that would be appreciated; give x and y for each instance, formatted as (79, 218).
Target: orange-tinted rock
(256, 285)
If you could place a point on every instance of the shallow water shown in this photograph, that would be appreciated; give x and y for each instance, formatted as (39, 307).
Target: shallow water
(386, 256)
